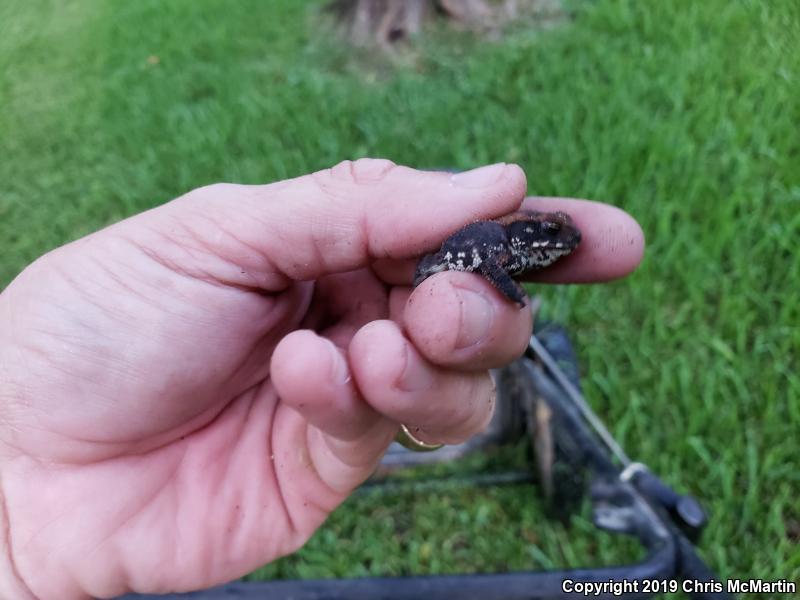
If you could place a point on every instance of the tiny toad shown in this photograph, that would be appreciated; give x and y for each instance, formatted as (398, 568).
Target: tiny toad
(512, 246)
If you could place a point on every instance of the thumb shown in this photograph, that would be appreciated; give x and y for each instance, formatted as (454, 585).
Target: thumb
(340, 219)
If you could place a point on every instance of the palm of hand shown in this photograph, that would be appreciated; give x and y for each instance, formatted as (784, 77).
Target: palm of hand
(162, 444)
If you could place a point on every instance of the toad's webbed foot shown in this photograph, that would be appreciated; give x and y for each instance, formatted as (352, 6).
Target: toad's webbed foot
(499, 278)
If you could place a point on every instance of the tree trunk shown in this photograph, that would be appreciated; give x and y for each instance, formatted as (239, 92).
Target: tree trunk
(386, 22)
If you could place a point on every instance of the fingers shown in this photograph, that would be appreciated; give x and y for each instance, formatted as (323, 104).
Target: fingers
(428, 373)
(354, 404)
(312, 375)
(339, 219)
(439, 405)
(612, 246)
(383, 377)
(460, 321)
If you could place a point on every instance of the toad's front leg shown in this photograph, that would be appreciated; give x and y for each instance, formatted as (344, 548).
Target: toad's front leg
(499, 278)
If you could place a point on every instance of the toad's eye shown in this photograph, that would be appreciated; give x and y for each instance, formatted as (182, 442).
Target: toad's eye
(551, 226)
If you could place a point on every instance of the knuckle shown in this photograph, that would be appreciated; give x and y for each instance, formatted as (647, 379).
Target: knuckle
(363, 170)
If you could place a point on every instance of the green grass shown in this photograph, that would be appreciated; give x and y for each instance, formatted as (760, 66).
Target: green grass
(683, 113)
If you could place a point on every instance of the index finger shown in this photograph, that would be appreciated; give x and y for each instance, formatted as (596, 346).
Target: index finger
(612, 245)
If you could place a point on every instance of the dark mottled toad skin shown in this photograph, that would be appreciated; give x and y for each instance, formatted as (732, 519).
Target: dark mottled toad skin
(499, 250)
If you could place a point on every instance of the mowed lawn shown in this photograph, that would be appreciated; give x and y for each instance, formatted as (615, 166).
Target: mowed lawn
(686, 114)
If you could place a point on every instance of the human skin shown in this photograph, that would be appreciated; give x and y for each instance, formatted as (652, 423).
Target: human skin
(187, 394)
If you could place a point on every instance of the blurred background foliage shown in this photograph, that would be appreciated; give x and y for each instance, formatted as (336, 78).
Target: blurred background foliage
(683, 113)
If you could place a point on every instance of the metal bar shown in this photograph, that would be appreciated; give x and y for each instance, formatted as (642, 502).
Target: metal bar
(541, 585)
(575, 395)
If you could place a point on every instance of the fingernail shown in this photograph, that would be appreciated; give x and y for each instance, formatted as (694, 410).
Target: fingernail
(477, 315)
(415, 375)
(480, 177)
(340, 373)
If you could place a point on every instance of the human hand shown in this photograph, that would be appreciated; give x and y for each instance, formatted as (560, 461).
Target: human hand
(187, 394)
